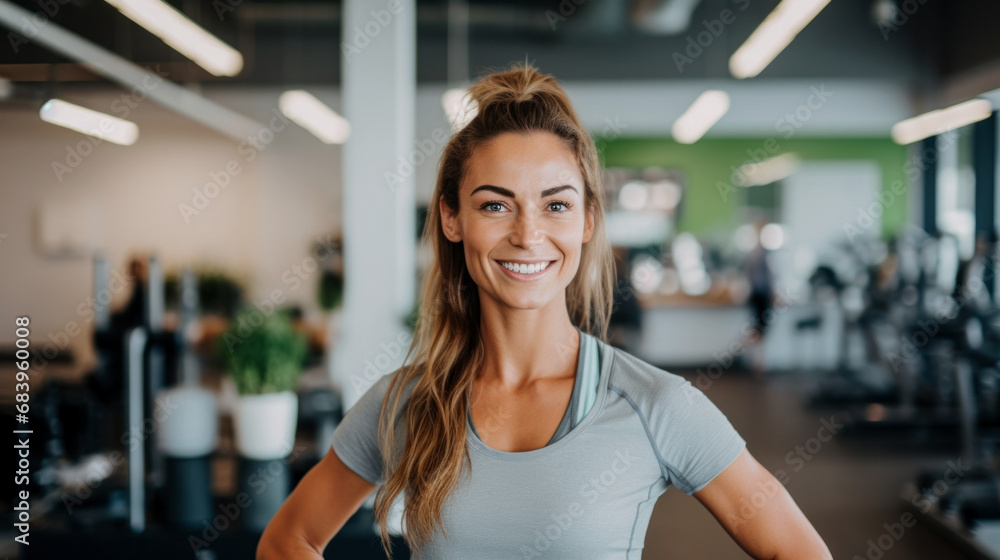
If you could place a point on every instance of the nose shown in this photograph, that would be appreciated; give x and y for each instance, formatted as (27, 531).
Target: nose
(526, 232)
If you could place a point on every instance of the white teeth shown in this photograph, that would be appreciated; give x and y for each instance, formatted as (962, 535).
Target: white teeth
(525, 268)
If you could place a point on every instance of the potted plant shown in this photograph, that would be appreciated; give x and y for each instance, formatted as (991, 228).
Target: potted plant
(330, 288)
(263, 355)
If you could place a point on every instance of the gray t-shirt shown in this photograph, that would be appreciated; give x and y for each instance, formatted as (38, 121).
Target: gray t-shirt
(587, 494)
(588, 371)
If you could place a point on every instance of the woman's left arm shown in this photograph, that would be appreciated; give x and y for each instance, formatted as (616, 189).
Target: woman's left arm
(759, 514)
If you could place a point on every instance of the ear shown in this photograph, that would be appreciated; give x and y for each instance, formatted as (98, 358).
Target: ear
(449, 222)
(588, 228)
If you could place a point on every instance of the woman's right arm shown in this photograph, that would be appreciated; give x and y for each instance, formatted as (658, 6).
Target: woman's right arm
(325, 498)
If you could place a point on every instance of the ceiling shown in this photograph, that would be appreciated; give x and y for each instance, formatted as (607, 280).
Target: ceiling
(601, 40)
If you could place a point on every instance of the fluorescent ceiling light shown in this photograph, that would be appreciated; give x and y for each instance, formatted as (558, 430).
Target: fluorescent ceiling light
(88, 121)
(185, 36)
(935, 122)
(311, 114)
(767, 171)
(459, 107)
(701, 116)
(773, 35)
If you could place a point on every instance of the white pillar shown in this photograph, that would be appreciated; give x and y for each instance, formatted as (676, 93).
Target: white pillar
(379, 87)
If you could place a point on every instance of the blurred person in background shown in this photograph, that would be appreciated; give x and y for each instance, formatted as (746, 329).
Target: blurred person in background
(133, 312)
(761, 298)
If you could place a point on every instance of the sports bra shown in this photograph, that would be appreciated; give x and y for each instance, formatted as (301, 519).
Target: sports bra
(588, 375)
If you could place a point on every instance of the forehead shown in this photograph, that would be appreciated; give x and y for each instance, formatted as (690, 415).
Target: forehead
(525, 162)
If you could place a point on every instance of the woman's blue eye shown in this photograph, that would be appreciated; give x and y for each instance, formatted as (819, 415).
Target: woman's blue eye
(493, 203)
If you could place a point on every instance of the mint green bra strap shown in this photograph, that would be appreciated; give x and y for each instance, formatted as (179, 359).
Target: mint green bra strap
(591, 377)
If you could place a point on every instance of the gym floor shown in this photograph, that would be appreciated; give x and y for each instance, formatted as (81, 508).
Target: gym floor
(847, 490)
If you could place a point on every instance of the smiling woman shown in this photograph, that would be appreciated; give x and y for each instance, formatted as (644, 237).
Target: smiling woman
(576, 438)
(523, 238)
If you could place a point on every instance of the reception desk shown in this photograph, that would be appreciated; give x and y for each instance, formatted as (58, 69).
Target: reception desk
(688, 332)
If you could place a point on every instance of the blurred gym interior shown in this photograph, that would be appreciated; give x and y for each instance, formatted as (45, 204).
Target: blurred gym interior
(801, 196)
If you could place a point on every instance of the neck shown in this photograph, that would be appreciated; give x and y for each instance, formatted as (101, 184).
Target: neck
(524, 345)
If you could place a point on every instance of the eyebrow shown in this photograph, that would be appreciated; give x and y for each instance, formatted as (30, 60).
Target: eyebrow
(509, 193)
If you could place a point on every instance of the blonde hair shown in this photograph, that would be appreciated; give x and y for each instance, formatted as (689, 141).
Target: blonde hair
(447, 346)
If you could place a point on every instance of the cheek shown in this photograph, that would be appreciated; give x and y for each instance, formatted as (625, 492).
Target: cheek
(481, 238)
(569, 241)
(477, 251)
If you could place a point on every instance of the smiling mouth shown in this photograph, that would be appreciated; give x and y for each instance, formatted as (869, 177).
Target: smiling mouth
(525, 269)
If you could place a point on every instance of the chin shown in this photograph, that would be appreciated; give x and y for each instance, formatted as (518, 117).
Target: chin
(526, 301)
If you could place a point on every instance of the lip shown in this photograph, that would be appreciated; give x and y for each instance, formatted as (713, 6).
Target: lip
(518, 275)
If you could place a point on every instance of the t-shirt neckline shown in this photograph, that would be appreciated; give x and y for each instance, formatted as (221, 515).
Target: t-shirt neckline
(605, 357)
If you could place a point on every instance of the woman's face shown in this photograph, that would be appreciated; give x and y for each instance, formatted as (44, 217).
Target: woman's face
(521, 204)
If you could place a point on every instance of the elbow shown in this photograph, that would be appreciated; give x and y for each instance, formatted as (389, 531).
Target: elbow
(812, 549)
(822, 551)
(267, 548)
(819, 552)
(264, 551)
(274, 546)
(823, 554)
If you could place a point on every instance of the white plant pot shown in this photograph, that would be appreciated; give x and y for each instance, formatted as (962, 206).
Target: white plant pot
(264, 425)
(188, 418)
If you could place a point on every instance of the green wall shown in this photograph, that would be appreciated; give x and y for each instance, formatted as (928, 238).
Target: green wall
(711, 161)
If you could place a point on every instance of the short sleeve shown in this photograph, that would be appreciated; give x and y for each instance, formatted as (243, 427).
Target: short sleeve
(356, 438)
(694, 439)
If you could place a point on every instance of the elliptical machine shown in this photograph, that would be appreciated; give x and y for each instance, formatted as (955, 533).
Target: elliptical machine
(859, 375)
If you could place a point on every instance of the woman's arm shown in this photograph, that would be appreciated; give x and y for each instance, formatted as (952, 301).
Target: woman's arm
(760, 515)
(325, 498)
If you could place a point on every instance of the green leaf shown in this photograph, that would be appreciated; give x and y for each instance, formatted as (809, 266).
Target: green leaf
(263, 353)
